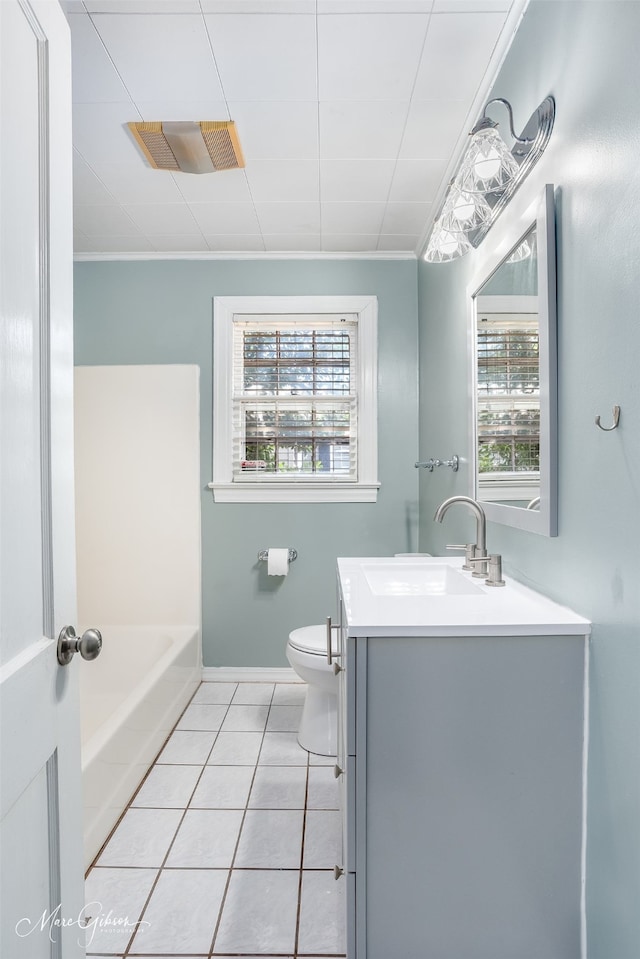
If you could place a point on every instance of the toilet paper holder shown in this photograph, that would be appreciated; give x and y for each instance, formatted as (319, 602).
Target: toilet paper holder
(263, 555)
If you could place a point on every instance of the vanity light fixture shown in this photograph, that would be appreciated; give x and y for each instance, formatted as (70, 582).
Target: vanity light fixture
(488, 176)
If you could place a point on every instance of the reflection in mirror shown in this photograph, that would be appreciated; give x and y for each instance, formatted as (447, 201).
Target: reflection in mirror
(513, 355)
(508, 380)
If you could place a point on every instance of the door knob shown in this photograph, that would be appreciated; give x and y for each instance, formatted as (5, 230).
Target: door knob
(88, 645)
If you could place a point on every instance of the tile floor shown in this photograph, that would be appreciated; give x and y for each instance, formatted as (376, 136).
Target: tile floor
(228, 847)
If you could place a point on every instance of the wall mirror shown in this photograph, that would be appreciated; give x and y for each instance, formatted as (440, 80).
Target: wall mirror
(513, 368)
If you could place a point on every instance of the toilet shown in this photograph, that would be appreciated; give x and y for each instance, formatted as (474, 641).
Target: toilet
(307, 655)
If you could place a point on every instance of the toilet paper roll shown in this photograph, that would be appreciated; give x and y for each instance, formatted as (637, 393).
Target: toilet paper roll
(277, 561)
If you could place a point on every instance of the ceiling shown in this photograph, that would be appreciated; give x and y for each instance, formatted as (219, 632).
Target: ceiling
(350, 114)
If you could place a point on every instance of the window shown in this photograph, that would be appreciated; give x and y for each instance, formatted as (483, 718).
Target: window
(508, 402)
(295, 399)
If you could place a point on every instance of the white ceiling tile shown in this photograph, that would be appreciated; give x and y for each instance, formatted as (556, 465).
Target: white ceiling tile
(269, 129)
(433, 128)
(104, 220)
(417, 179)
(142, 6)
(456, 54)
(161, 57)
(348, 243)
(83, 244)
(471, 6)
(398, 242)
(259, 6)
(292, 242)
(367, 129)
(285, 217)
(284, 179)
(216, 218)
(100, 132)
(405, 218)
(137, 183)
(87, 188)
(369, 57)
(180, 243)
(154, 110)
(355, 179)
(225, 185)
(352, 217)
(374, 6)
(72, 6)
(93, 74)
(373, 177)
(117, 244)
(265, 57)
(162, 218)
(237, 242)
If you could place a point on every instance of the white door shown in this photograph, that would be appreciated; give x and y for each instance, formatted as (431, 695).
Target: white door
(41, 882)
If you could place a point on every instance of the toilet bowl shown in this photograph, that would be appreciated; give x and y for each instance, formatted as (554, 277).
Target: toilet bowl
(307, 655)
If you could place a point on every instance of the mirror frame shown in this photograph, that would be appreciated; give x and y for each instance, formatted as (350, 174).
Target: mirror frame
(517, 220)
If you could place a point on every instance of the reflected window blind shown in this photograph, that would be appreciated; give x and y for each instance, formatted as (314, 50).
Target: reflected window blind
(508, 395)
(295, 398)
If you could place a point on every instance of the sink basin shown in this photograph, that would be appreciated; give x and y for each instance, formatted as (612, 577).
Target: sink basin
(417, 579)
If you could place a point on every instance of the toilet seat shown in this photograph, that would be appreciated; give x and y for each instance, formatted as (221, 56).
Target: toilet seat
(312, 640)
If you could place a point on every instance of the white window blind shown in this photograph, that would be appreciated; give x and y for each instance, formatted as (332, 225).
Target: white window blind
(508, 395)
(295, 398)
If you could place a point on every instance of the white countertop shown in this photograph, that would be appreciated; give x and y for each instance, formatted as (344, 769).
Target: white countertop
(511, 610)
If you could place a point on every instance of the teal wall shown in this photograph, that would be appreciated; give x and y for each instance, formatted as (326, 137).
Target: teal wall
(585, 54)
(161, 312)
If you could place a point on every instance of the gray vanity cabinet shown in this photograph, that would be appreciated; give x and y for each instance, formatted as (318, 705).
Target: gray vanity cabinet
(461, 765)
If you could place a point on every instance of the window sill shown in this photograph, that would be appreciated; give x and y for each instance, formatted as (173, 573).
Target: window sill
(295, 493)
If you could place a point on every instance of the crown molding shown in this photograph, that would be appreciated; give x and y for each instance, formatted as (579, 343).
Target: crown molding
(318, 255)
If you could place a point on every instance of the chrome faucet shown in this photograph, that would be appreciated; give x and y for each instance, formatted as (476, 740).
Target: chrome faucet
(480, 551)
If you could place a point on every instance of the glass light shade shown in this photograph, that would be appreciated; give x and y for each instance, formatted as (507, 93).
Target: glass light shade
(464, 212)
(444, 245)
(488, 165)
(522, 252)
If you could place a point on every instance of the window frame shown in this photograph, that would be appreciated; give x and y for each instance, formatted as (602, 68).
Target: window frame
(313, 488)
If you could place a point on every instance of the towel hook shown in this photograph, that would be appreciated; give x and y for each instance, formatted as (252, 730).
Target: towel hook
(616, 420)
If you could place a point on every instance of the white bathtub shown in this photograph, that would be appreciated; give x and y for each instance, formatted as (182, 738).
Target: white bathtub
(130, 699)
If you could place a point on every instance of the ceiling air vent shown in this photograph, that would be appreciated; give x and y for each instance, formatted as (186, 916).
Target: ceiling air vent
(189, 146)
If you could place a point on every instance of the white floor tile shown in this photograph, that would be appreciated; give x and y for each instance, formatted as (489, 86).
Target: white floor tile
(121, 892)
(324, 788)
(316, 760)
(289, 694)
(182, 912)
(203, 717)
(282, 749)
(253, 694)
(142, 838)
(168, 786)
(322, 838)
(322, 914)
(284, 718)
(206, 839)
(271, 839)
(236, 749)
(245, 719)
(214, 693)
(187, 746)
(278, 787)
(260, 911)
(223, 787)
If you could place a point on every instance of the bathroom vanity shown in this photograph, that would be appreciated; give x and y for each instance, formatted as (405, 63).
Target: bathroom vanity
(461, 754)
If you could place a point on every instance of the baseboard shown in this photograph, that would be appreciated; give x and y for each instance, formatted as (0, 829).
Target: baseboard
(249, 674)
